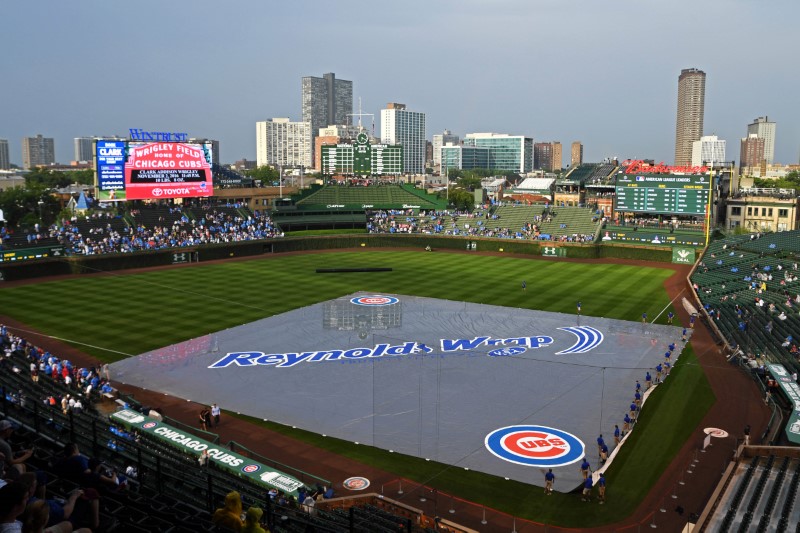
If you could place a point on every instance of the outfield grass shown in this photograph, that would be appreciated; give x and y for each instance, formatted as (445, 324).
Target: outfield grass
(134, 313)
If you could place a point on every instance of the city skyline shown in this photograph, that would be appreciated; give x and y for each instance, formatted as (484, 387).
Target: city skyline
(611, 84)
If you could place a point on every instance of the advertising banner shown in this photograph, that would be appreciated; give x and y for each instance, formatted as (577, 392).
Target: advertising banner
(110, 170)
(219, 455)
(683, 255)
(792, 391)
(167, 170)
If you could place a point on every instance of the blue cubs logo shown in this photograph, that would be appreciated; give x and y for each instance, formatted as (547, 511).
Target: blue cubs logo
(149, 425)
(249, 469)
(538, 446)
(374, 301)
(506, 352)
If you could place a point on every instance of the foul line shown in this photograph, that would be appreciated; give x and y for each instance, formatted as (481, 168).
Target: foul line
(666, 306)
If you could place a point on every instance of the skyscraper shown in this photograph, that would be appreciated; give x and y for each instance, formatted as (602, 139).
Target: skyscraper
(506, 152)
(400, 126)
(765, 130)
(5, 162)
(558, 157)
(751, 153)
(439, 140)
(83, 148)
(691, 106)
(37, 151)
(543, 156)
(326, 102)
(280, 142)
(709, 150)
(576, 158)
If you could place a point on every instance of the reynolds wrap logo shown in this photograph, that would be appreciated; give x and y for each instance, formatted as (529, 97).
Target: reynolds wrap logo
(587, 339)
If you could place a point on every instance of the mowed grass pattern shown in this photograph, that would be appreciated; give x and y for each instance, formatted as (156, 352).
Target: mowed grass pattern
(135, 312)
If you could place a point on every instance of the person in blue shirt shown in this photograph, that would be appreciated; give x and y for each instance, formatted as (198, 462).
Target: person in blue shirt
(683, 336)
(659, 368)
(549, 479)
(633, 411)
(671, 347)
(616, 434)
(579, 308)
(637, 398)
(644, 318)
(585, 467)
(600, 443)
(670, 316)
(601, 487)
(648, 380)
(626, 427)
(638, 385)
(603, 453)
(524, 285)
(587, 490)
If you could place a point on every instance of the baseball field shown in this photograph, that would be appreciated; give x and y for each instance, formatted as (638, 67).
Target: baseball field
(111, 316)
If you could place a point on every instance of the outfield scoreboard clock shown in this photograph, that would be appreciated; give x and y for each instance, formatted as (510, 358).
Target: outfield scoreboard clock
(671, 194)
(362, 163)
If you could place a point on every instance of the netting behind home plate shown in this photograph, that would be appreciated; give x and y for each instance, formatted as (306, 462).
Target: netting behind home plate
(423, 377)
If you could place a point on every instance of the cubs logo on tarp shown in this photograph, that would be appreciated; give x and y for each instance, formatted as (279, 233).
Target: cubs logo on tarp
(149, 425)
(249, 469)
(538, 446)
(374, 301)
(356, 483)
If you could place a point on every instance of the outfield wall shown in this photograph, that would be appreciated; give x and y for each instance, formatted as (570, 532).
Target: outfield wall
(100, 263)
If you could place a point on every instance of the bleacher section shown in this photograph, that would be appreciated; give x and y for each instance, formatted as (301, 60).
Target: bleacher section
(758, 496)
(737, 270)
(372, 197)
(581, 173)
(601, 173)
(566, 222)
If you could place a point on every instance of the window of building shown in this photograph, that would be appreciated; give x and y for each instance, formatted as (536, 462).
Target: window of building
(770, 211)
(736, 211)
(783, 213)
(750, 211)
(763, 211)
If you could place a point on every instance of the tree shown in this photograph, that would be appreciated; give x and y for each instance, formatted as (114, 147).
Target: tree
(460, 199)
(50, 179)
(27, 205)
(266, 174)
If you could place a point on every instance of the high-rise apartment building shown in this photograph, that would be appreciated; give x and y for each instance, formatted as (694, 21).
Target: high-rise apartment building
(5, 161)
(576, 158)
(83, 148)
(506, 152)
(326, 101)
(691, 107)
(280, 142)
(558, 157)
(751, 153)
(542, 156)
(38, 151)
(708, 151)
(765, 130)
(407, 128)
(439, 140)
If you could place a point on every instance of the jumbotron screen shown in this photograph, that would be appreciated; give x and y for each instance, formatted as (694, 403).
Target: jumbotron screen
(147, 170)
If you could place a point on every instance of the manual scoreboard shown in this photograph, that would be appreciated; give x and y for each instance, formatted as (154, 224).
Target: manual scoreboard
(671, 194)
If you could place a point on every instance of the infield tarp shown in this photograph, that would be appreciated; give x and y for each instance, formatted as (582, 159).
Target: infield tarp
(439, 395)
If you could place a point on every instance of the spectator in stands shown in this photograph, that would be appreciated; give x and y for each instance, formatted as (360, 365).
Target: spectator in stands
(13, 498)
(15, 463)
(103, 478)
(230, 516)
(204, 417)
(252, 521)
(76, 510)
(73, 465)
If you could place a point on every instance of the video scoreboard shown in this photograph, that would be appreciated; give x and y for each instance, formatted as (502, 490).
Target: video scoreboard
(134, 170)
(671, 194)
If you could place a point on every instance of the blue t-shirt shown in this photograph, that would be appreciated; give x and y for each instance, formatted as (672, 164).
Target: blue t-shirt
(585, 465)
(549, 476)
(601, 482)
(588, 483)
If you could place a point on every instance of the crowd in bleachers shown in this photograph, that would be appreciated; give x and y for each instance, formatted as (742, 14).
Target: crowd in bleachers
(155, 228)
(501, 222)
(749, 288)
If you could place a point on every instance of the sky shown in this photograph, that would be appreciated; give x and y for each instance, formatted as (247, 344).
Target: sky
(602, 72)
